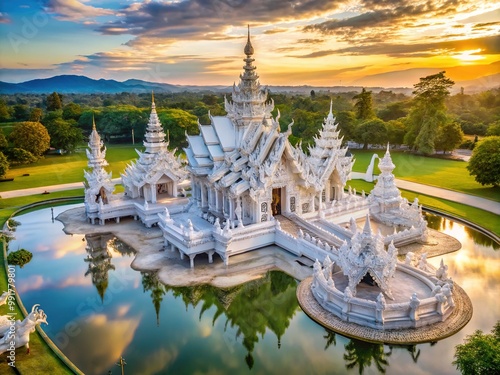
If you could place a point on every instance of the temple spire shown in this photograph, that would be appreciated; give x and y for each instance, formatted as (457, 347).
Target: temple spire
(330, 114)
(249, 48)
(93, 121)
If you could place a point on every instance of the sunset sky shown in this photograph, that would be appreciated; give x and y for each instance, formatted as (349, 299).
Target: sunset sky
(200, 42)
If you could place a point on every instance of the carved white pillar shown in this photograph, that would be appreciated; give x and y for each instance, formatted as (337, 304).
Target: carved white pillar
(174, 189)
(231, 209)
(211, 256)
(217, 203)
(202, 196)
(153, 193)
(191, 260)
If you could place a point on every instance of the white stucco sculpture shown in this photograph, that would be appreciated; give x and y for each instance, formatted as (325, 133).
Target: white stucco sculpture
(17, 334)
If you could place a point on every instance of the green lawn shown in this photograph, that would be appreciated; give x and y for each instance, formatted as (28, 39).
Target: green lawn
(448, 174)
(485, 219)
(62, 169)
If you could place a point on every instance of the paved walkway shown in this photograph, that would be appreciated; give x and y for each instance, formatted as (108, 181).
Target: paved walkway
(470, 200)
(454, 196)
(42, 189)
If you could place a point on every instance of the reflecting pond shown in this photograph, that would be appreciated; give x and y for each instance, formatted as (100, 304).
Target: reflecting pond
(99, 309)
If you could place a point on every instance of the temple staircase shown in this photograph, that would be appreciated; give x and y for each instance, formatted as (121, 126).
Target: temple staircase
(292, 224)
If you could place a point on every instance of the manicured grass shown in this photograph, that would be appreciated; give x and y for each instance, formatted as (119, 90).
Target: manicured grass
(10, 205)
(448, 174)
(62, 169)
(485, 219)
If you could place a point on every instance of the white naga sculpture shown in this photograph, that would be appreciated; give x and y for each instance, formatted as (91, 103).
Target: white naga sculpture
(17, 334)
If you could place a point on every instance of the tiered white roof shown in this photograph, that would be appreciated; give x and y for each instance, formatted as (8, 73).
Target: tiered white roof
(242, 150)
(367, 254)
(156, 160)
(97, 177)
(97, 153)
(328, 154)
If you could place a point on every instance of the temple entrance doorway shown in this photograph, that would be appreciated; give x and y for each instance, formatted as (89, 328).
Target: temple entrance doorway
(276, 202)
(165, 187)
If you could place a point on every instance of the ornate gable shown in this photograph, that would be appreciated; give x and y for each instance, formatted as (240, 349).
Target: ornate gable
(367, 255)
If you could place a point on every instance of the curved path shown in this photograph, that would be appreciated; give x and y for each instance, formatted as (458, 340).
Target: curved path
(451, 195)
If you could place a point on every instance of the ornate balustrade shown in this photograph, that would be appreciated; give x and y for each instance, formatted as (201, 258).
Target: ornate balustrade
(384, 315)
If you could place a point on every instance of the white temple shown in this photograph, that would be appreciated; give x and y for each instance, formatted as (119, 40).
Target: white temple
(157, 172)
(150, 183)
(251, 188)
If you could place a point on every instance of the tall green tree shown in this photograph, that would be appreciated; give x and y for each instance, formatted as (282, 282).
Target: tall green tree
(396, 131)
(480, 353)
(63, 135)
(30, 136)
(347, 124)
(21, 112)
(428, 112)
(177, 123)
(36, 115)
(364, 105)
(372, 131)
(54, 102)
(450, 136)
(484, 163)
(72, 111)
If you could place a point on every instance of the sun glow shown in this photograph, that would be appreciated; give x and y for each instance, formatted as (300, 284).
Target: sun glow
(469, 55)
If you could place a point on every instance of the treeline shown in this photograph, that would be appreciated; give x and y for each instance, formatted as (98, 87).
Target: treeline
(429, 121)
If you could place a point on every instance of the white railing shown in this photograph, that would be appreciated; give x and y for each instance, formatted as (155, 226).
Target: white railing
(435, 308)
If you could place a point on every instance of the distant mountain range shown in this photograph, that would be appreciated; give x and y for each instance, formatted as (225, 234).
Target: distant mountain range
(83, 85)
(67, 84)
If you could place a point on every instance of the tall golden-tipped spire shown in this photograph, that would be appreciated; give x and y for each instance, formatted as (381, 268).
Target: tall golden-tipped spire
(152, 96)
(248, 48)
(93, 121)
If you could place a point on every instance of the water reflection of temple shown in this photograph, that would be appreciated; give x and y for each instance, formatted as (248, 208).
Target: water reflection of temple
(267, 304)
(99, 260)
(151, 283)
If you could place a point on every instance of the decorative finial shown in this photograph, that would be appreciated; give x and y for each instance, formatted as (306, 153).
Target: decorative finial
(387, 147)
(367, 229)
(93, 121)
(152, 96)
(248, 48)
